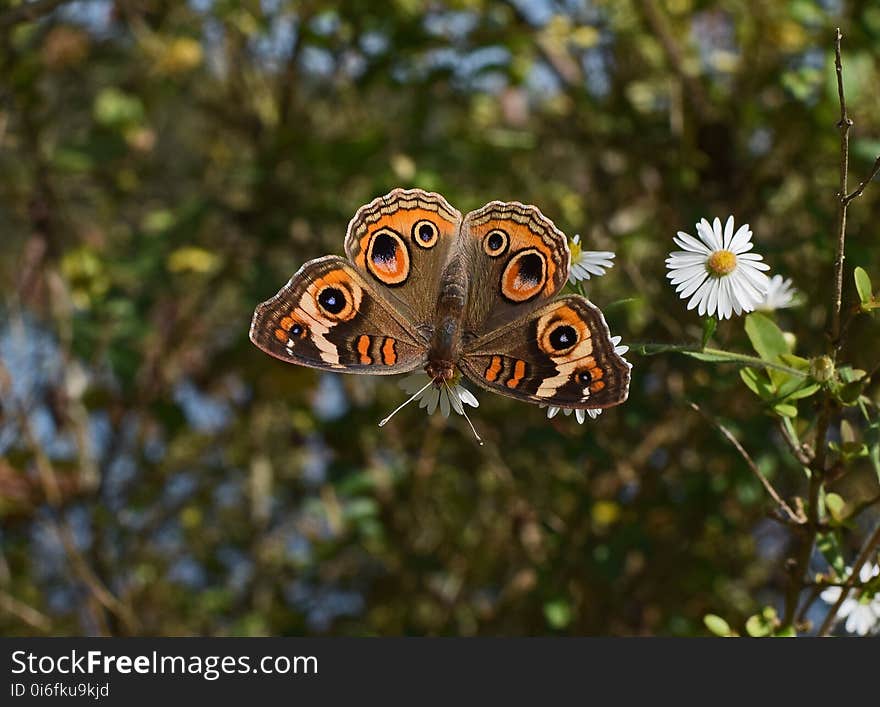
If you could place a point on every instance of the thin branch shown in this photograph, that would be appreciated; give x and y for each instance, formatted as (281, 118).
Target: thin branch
(28, 614)
(794, 517)
(864, 556)
(858, 192)
(844, 125)
(799, 450)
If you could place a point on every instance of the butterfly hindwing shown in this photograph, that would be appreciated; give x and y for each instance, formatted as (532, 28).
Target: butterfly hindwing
(329, 317)
(560, 355)
(400, 242)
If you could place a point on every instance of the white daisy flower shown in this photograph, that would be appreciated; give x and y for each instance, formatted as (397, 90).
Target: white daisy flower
(447, 397)
(586, 263)
(581, 415)
(716, 271)
(862, 614)
(780, 294)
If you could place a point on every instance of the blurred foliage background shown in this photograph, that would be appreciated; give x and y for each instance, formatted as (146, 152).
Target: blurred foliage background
(165, 166)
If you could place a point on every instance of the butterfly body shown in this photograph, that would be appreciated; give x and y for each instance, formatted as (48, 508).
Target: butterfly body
(425, 288)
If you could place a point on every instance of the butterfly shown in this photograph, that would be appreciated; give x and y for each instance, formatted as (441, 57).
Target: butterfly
(424, 288)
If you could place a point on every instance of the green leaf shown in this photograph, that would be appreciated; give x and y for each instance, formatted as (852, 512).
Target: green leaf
(798, 362)
(709, 326)
(872, 439)
(849, 394)
(835, 505)
(848, 374)
(863, 285)
(785, 410)
(804, 392)
(557, 613)
(767, 338)
(717, 625)
(714, 357)
(769, 342)
(758, 383)
(787, 632)
(830, 548)
(758, 627)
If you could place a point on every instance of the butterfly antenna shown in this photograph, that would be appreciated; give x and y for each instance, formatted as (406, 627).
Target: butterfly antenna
(403, 405)
(464, 412)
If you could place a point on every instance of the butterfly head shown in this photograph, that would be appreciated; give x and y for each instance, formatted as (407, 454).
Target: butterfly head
(440, 372)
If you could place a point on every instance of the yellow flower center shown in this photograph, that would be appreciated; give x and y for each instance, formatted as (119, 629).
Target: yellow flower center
(575, 249)
(721, 263)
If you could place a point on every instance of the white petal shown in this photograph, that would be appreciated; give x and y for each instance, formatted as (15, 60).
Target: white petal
(682, 259)
(725, 299)
(699, 295)
(831, 595)
(444, 402)
(552, 412)
(679, 276)
(433, 399)
(455, 401)
(689, 243)
(718, 232)
(707, 235)
(860, 621)
(467, 397)
(581, 416)
(728, 232)
(740, 240)
(712, 303)
(685, 290)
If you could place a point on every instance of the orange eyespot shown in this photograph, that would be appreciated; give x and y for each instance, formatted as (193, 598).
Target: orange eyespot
(425, 233)
(563, 335)
(334, 297)
(524, 276)
(495, 242)
(388, 257)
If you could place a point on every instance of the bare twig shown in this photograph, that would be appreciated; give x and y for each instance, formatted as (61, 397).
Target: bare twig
(794, 517)
(844, 125)
(864, 556)
(28, 614)
(817, 466)
(858, 191)
(800, 451)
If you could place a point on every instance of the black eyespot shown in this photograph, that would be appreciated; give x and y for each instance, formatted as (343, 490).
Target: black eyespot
(332, 299)
(495, 242)
(296, 329)
(531, 269)
(384, 248)
(425, 233)
(563, 337)
(584, 377)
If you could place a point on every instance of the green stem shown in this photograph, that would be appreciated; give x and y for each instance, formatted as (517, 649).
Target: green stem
(750, 361)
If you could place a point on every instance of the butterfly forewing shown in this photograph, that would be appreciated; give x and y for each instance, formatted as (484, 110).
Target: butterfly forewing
(518, 260)
(400, 243)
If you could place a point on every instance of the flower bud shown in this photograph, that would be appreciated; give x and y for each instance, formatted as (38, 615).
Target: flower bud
(822, 369)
